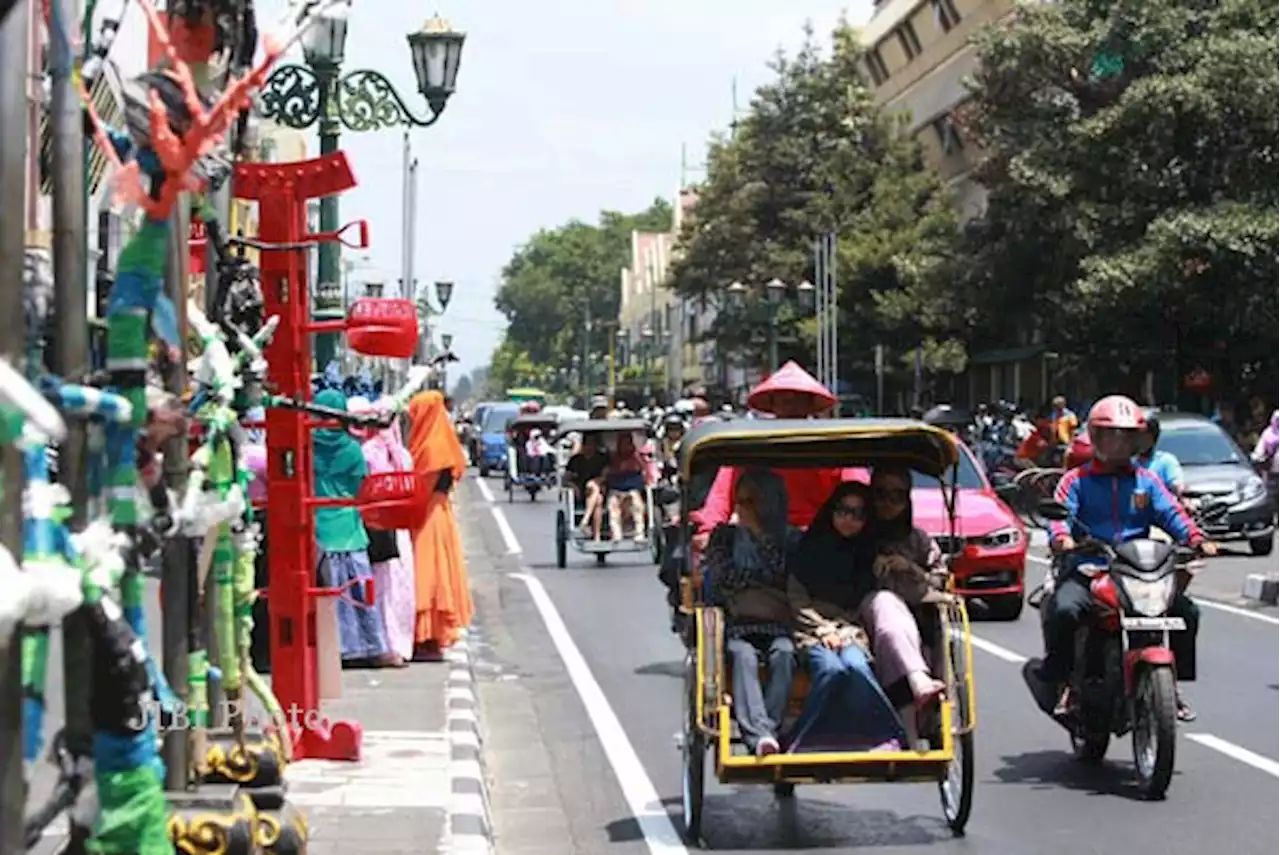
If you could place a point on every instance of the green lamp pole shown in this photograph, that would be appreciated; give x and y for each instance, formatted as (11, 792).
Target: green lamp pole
(299, 96)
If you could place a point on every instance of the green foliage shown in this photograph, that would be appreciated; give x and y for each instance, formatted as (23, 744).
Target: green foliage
(1132, 164)
(550, 280)
(815, 155)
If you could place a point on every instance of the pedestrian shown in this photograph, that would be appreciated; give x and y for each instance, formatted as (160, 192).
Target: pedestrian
(1065, 422)
(442, 596)
(390, 551)
(339, 469)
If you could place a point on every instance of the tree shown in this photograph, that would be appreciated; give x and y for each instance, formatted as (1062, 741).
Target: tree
(550, 281)
(1131, 163)
(815, 155)
(462, 390)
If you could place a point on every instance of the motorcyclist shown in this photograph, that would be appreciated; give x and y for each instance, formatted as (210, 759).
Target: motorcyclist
(1163, 464)
(1111, 500)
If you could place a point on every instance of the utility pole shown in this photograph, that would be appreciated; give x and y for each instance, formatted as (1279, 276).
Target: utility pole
(586, 352)
(70, 357)
(14, 41)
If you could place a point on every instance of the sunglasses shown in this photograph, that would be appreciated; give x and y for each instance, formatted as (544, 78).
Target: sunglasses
(853, 512)
(891, 494)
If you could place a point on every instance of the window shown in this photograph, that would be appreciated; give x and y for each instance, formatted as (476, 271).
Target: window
(948, 135)
(876, 67)
(944, 11)
(909, 40)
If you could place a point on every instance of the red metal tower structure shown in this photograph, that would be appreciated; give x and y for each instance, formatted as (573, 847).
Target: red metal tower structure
(377, 328)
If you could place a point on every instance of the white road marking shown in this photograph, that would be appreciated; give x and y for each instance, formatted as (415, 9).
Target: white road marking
(1234, 610)
(1235, 752)
(508, 536)
(1039, 559)
(997, 651)
(660, 835)
(484, 490)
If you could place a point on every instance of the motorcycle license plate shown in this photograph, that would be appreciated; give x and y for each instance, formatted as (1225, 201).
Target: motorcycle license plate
(1154, 624)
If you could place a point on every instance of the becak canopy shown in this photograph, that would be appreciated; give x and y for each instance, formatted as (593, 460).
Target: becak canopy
(790, 378)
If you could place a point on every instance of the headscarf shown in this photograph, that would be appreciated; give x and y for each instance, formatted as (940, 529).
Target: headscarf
(900, 536)
(361, 404)
(771, 512)
(432, 440)
(833, 568)
(339, 468)
(337, 454)
(383, 450)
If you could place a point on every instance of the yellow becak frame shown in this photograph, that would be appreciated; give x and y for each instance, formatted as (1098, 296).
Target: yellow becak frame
(784, 444)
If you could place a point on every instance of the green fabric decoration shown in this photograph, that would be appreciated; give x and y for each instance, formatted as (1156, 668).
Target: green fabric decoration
(339, 468)
(133, 813)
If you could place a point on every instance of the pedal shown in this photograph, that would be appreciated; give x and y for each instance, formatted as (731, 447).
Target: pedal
(215, 818)
(258, 764)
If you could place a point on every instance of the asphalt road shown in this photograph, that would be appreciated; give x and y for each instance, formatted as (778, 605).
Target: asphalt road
(615, 709)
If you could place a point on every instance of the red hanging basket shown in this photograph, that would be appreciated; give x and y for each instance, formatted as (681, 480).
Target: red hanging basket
(386, 328)
(394, 500)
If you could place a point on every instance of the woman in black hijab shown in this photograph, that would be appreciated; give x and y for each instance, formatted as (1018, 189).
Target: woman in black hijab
(830, 579)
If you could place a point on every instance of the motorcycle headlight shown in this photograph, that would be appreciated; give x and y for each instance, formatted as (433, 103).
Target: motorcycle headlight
(1251, 488)
(1149, 599)
(1000, 539)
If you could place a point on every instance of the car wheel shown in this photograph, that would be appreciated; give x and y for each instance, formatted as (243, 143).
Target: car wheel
(1006, 608)
(1263, 545)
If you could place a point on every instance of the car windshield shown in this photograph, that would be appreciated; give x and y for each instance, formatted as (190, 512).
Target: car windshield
(1199, 445)
(969, 477)
(496, 421)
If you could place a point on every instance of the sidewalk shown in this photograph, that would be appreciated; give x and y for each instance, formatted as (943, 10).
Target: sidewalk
(396, 799)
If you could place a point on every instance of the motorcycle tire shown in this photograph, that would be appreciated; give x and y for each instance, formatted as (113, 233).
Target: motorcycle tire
(1155, 730)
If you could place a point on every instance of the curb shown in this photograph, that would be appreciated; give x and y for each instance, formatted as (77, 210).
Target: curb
(469, 832)
(1262, 588)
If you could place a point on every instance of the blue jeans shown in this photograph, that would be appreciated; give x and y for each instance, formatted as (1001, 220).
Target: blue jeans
(845, 699)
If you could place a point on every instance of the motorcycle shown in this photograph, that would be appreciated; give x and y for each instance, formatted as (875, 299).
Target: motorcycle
(1124, 681)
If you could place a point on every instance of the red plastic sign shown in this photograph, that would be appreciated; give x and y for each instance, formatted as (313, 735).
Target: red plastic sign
(383, 327)
(393, 500)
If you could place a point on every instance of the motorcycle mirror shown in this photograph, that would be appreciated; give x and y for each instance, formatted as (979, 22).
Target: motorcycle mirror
(1051, 510)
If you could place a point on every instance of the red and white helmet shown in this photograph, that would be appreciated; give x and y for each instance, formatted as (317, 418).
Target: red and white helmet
(1114, 413)
(1117, 412)
(529, 408)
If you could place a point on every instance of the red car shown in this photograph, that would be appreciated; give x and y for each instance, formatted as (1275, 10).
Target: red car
(990, 545)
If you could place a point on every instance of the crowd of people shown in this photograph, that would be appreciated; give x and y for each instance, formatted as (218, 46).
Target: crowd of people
(422, 600)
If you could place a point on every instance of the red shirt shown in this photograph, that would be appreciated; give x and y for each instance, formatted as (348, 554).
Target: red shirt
(807, 490)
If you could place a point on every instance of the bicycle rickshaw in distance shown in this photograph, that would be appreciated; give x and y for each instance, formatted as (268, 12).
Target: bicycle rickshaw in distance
(570, 516)
(780, 444)
(523, 472)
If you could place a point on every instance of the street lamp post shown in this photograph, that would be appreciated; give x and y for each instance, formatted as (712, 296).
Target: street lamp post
(444, 293)
(776, 292)
(299, 96)
(646, 344)
(666, 362)
(446, 342)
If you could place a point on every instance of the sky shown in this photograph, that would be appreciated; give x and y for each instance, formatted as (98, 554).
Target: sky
(563, 108)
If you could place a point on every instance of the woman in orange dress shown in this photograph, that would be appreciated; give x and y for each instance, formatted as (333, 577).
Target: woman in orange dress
(442, 592)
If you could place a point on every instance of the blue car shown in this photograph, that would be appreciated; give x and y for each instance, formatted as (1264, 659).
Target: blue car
(493, 438)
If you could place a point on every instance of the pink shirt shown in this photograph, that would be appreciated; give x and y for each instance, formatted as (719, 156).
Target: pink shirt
(254, 458)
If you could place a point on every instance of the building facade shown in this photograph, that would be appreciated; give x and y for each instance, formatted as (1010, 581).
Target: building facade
(657, 327)
(917, 57)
